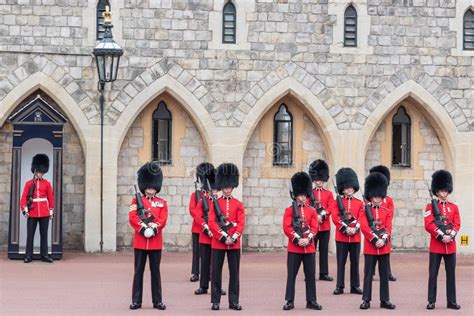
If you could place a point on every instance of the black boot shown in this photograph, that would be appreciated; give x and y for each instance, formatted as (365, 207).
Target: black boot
(325, 277)
(135, 306)
(223, 292)
(387, 305)
(288, 305)
(452, 305)
(200, 291)
(27, 259)
(356, 290)
(235, 306)
(430, 305)
(392, 278)
(313, 305)
(215, 306)
(194, 278)
(365, 305)
(47, 259)
(160, 306)
(338, 290)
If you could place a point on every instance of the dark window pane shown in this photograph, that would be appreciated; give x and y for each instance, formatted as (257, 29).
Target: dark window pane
(283, 137)
(162, 121)
(468, 30)
(401, 139)
(229, 23)
(350, 27)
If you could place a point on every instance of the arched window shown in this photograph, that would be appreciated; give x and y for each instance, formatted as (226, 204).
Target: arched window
(468, 31)
(101, 4)
(283, 137)
(162, 121)
(401, 138)
(229, 23)
(350, 27)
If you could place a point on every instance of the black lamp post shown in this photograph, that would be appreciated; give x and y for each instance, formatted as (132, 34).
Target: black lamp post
(107, 55)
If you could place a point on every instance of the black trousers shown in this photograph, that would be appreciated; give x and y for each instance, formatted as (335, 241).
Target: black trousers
(154, 257)
(342, 250)
(195, 263)
(205, 256)
(389, 267)
(370, 262)
(450, 267)
(323, 239)
(31, 224)
(217, 262)
(309, 267)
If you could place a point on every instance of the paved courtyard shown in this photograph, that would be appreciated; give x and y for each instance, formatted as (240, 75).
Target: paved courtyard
(93, 284)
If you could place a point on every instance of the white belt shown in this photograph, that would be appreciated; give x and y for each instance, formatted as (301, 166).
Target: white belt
(40, 200)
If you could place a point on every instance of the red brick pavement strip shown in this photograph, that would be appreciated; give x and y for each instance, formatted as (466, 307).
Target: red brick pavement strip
(92, 284)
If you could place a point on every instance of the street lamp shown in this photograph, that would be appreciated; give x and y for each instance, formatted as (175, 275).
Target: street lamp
(107, 55)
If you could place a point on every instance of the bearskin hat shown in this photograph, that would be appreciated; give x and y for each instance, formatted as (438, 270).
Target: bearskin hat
(376, 185)
(227, 176)
(301, 183)
(150, 176)
(441, 180)
(40, 163)
(206, 172)
(383, 170)
(346, 178)
(319, 170)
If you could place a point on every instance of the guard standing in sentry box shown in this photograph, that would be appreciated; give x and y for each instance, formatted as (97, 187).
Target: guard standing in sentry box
(300, 225)
(442, 222)
(227, 224)
(376, 225)
(148, 215)
(37, 205)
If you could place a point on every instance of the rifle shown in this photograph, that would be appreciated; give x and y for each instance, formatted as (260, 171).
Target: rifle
(377, 233)
(145, 231)
(342, 212)
(31, 192)
(317, 205)
(223, 223)
(438, 218)
(297, 223)
(196, 192)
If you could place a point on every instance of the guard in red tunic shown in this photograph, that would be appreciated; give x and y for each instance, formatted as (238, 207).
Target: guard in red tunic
(376, 225)
(387, 202)
(227, 224)
(37, 205)
(443, 222)
(324, 202)
(202, 172)
(300, 225)
(148, 215)
(201, 217)
(345, 215)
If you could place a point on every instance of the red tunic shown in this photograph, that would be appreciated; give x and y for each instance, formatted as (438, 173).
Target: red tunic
(309, 219)
(159, 209)
(451, 213)
(388, 203)
(382, 215)
(195, 228)
(354, 207)
(43, 199)
(326, 198)
(234, 211)
(200, 221)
